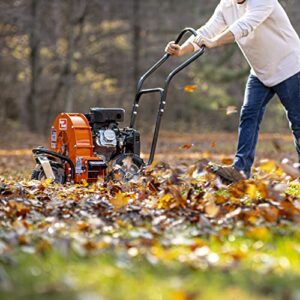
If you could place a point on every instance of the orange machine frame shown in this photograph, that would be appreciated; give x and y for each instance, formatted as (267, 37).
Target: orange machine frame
(71, 136)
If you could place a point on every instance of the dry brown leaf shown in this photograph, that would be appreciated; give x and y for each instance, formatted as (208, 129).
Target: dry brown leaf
(186, 146)
(290, 170)
(231, 110)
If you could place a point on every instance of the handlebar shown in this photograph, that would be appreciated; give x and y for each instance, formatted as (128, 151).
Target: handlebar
(162, 91)
(183, 32)
(165, 58)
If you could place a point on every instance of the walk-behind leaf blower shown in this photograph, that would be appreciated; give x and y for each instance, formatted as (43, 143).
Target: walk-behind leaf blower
(84, 147)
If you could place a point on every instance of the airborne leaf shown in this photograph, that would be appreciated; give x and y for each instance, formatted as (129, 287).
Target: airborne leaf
(231, 110)
(190, 88)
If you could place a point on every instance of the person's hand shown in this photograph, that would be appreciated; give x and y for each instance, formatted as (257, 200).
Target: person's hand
(173, 49)
(201, 40)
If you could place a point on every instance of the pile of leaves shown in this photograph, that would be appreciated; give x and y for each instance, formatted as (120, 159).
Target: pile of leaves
(166, 214)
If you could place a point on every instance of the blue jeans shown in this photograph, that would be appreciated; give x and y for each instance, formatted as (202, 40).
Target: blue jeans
(257, 96)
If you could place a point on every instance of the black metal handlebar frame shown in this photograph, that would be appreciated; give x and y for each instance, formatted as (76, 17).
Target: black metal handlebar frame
(162, 91)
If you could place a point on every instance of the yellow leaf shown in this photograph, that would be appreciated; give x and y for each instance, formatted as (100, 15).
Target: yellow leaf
(158, 251)
(179, 295)
(251, 191)
(268, 166)
(101, 245)
(84, 183)
(164, 201)
(47, 182)
(120, 200)
(259, 233)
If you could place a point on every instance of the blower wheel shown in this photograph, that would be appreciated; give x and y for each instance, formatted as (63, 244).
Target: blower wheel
(59, 172)
(125, 167)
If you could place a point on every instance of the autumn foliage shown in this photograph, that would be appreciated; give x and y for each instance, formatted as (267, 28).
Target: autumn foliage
(161, 208)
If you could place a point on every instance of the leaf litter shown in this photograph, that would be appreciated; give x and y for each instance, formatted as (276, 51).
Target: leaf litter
(167, 214)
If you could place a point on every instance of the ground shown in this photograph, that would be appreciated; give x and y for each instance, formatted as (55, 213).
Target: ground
(177, 232)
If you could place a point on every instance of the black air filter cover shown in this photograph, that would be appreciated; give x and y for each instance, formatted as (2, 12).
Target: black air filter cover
(104, 115)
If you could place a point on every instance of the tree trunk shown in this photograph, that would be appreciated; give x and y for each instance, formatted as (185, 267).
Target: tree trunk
(77, 16)
(34, 43)
(136, 39)
(66, 78)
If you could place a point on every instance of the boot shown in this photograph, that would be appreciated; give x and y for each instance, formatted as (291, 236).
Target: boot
(229, 173)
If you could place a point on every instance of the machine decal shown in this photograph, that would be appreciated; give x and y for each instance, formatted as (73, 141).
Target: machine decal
(53, 135)
(79, 166)
(63, 125)
(53, 138)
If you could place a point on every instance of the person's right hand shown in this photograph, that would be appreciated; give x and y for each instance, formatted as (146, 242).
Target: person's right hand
(173, 49)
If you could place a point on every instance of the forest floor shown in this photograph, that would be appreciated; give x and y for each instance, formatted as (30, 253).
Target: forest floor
(176, 233)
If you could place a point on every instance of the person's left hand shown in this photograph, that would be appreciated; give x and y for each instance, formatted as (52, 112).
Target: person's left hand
(201, 40)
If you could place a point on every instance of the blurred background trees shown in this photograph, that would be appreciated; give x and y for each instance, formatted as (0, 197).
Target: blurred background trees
(69, 55)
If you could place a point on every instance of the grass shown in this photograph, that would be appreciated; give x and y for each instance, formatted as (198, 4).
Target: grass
(260, 264)
(264, 270)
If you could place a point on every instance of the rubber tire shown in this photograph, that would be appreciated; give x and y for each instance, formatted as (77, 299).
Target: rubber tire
(118, 160)
(38, 174)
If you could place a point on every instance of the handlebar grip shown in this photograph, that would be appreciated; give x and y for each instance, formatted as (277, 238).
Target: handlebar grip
(164, 58)
(183, 32)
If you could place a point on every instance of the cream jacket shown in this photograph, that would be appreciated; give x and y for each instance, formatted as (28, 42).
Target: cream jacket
(263, 32)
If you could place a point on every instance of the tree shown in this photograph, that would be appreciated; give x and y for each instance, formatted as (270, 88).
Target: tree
(34, 43)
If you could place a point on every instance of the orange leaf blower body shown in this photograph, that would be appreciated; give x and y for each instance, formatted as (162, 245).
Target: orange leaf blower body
(84, 147)
(71, 136)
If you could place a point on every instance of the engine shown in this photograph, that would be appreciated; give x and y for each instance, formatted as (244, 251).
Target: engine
(109, 140)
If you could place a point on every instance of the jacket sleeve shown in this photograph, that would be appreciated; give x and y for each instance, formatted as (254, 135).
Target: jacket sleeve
(215, 25)
(257, 12)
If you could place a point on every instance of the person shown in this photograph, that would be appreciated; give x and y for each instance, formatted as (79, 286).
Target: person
(263, 31)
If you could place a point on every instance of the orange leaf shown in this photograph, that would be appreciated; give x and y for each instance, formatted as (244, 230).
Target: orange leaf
(190, 88)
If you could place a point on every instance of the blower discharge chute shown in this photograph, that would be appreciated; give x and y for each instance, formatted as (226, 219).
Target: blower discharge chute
(84, 147)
